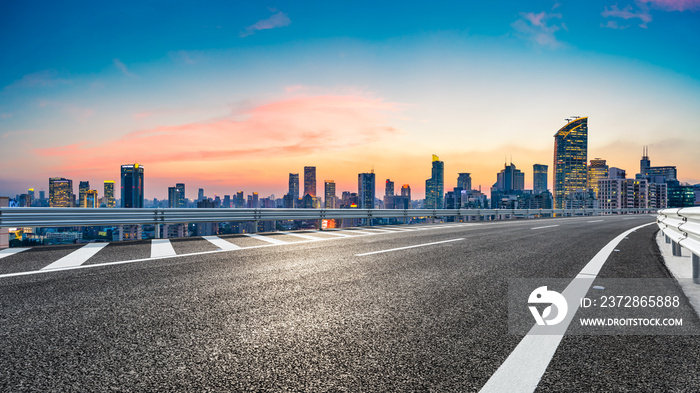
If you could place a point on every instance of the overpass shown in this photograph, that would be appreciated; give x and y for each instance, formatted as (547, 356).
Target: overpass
(383, 308)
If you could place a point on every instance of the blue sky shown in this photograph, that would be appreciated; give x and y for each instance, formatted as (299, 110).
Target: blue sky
(266, 88)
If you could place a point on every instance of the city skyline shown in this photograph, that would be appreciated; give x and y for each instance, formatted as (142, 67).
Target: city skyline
(235, 97)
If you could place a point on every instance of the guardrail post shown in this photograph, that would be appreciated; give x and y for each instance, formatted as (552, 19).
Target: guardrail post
(4, 232)
(121, 233)
(157, 230)
(676, 249)
(696, 268)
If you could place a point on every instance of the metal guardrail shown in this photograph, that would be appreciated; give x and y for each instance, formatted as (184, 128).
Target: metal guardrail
(682, 229)
(67, 217)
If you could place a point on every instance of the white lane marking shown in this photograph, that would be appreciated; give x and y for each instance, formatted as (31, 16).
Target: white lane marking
(596, 221)
(334, 232)
(403, 229)
(407, 247)
(360, 232)
(268, 239)
(377, 229)
(524, 367)
(77, 257)
(629, 218)
(11, 251)
(301, 235)
(162, 248)
(221, 243)
(546, 226)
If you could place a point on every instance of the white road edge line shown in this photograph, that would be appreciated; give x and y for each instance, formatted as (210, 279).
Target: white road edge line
(162, 248)
(407, 247)
(547, 226)
(11, 251)
(524, 367)
(77, 257)
(301, 235)
(221, 243)
(596, 221)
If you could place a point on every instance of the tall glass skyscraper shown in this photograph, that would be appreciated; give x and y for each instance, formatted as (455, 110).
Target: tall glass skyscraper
(132, 186)
(365, 190)
(83, 188)
(329, 196)
(597, 170)
(435, 186)
(310, 180)
(539, 179)
(109, 193)
(570, 158)
(294, 186)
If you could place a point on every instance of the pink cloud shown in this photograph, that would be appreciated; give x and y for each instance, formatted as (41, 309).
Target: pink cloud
(536, 28)
(276, 20)
(290, 127)
(628, 13)
(676, 5)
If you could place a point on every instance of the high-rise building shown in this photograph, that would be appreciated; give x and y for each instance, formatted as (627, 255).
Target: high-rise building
(329, 195)
(658, 195)
(200, 195)
(403, 201)
(310, 180)
(60, 192)
(82, 190)
(109, 193)
(539, 179)
(464, 181)
(623, 193)
(510, 179)
(365, 190)
(240, 200)
(435, 186)
(570, 157)
(644, 163)
(227, 201)
(294, 185)
(597, 170)
(389, 196)
(91, 199)
(616, 173)
(176, 196)
(132, 186)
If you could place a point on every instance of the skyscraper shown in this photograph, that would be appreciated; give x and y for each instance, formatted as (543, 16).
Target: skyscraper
(109, 193)
(539, 179)
(510, 179)
(389, 195)
(570, 157)
(200, 195)
(176, 196)
(91, 199)
(464, 181)
(294, 186)
(365, 190)
(132, 186)
(240, 200)
(644, 163)
(435, 186)
(329, 195)
(82, 191)
(60, 192)
(596, 171)
(310, 180)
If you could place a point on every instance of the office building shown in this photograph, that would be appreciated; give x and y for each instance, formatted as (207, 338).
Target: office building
(176, 196)
(616, 173)
(539, 179)
(91, 199)
(310, 181)
(623, 193)
(598, 169)
(388, 194)
(365, 190)
(83, 187)
(329, 195)
(294, 185)
(60, 192)
(435, 186)
(570, 157)
(109, 193)
(132, 185)
(464, 181)
(240, 200)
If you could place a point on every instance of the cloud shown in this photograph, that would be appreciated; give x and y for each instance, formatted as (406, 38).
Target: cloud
(537, 28)
(676, 5)
(122, 67)
(279, 19)
(46, 78)
(284, 128)
(627, 13)
(75, 111)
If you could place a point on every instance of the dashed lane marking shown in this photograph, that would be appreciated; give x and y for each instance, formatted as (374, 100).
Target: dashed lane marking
(221, 243)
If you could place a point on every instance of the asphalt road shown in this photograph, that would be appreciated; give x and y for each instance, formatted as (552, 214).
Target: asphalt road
(323, 315)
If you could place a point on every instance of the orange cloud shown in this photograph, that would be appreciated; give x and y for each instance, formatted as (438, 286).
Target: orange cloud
(290, 127)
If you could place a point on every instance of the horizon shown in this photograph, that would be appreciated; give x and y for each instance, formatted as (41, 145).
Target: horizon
(234, 97)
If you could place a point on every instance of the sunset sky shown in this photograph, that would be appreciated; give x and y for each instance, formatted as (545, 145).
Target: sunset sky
(233, 96)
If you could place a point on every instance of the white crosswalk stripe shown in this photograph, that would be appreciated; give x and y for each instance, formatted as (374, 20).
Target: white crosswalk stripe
(221, 243)
(301, 235)
(77, 257)
(268, 239)
(11, 251)
(162, 248)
